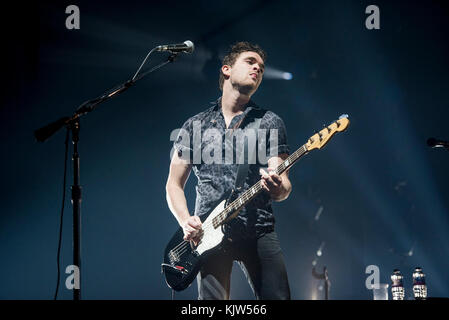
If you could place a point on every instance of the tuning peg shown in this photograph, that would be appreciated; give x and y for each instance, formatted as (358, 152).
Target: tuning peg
(325, 127)
(343, 116)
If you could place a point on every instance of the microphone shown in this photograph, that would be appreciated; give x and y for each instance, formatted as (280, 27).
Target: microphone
(434, 143)
(186, 46)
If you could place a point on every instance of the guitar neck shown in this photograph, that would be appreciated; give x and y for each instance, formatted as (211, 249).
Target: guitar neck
(235, 206)
(291, 159)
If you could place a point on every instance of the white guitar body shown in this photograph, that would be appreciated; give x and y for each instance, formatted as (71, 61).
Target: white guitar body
(212, 237)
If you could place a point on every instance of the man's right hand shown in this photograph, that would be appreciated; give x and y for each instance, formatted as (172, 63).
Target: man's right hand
(192, 229)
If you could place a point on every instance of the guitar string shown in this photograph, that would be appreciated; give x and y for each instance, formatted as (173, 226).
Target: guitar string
(180, 248)
(247, 195)
(185, 242)
(183, 246)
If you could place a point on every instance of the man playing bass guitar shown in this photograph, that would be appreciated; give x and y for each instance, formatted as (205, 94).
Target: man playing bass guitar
(251, 239)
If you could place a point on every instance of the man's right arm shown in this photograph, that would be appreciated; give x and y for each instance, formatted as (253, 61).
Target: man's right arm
(177, 178)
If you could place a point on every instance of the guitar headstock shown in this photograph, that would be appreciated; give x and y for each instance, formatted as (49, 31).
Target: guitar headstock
(319, 140)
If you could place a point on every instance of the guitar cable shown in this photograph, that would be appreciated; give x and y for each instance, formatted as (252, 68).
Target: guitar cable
(62, 214)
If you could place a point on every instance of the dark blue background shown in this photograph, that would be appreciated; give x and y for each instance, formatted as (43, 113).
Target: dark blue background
(383, 192)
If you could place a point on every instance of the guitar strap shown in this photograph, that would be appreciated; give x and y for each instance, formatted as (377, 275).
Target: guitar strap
(242, 171)
(243, 168)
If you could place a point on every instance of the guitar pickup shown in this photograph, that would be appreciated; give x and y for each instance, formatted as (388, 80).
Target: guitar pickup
(182, 269)
(172, 268)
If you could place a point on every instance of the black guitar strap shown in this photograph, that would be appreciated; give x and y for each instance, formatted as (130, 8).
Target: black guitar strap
(243, 168)
(242, 171)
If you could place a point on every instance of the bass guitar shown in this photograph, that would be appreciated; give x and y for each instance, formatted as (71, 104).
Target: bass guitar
(183, 259)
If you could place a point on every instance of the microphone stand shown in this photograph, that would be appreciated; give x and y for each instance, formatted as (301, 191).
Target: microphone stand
(323, 276)
(73, 124)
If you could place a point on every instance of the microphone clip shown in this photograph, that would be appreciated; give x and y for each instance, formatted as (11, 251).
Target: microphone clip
(173, 56)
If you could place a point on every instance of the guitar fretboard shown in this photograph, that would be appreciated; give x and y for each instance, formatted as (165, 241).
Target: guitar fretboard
(251, 193)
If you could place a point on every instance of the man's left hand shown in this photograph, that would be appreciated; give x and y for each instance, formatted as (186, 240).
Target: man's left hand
(272, 182)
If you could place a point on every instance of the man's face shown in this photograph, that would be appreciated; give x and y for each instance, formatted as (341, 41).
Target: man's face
(247, 72)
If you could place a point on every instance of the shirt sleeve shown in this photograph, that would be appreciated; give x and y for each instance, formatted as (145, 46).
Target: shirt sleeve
(183, 141)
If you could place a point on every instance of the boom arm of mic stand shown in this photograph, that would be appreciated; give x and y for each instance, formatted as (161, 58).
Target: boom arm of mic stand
(47, 131)
(90, 105)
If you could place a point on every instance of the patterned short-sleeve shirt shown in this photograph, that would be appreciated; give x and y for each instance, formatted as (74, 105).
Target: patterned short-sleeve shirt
(216, 167)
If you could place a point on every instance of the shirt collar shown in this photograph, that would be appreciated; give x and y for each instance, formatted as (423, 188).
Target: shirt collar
(250, 105)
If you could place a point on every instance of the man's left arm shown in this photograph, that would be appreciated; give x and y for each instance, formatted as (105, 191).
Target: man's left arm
(278, 186)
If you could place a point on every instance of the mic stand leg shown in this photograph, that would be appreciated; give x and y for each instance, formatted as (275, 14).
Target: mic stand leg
(326, 284)
(76, 204)
(323, 276)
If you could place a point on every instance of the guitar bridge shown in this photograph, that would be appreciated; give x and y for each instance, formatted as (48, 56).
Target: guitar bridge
(173, 257)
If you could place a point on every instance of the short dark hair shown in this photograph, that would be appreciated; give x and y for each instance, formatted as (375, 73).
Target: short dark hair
(235, 50)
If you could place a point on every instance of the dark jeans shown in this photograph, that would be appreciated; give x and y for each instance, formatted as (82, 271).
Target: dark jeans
(260, 259)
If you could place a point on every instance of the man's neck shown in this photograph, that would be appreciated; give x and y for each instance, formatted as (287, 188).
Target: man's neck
(233, 102)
